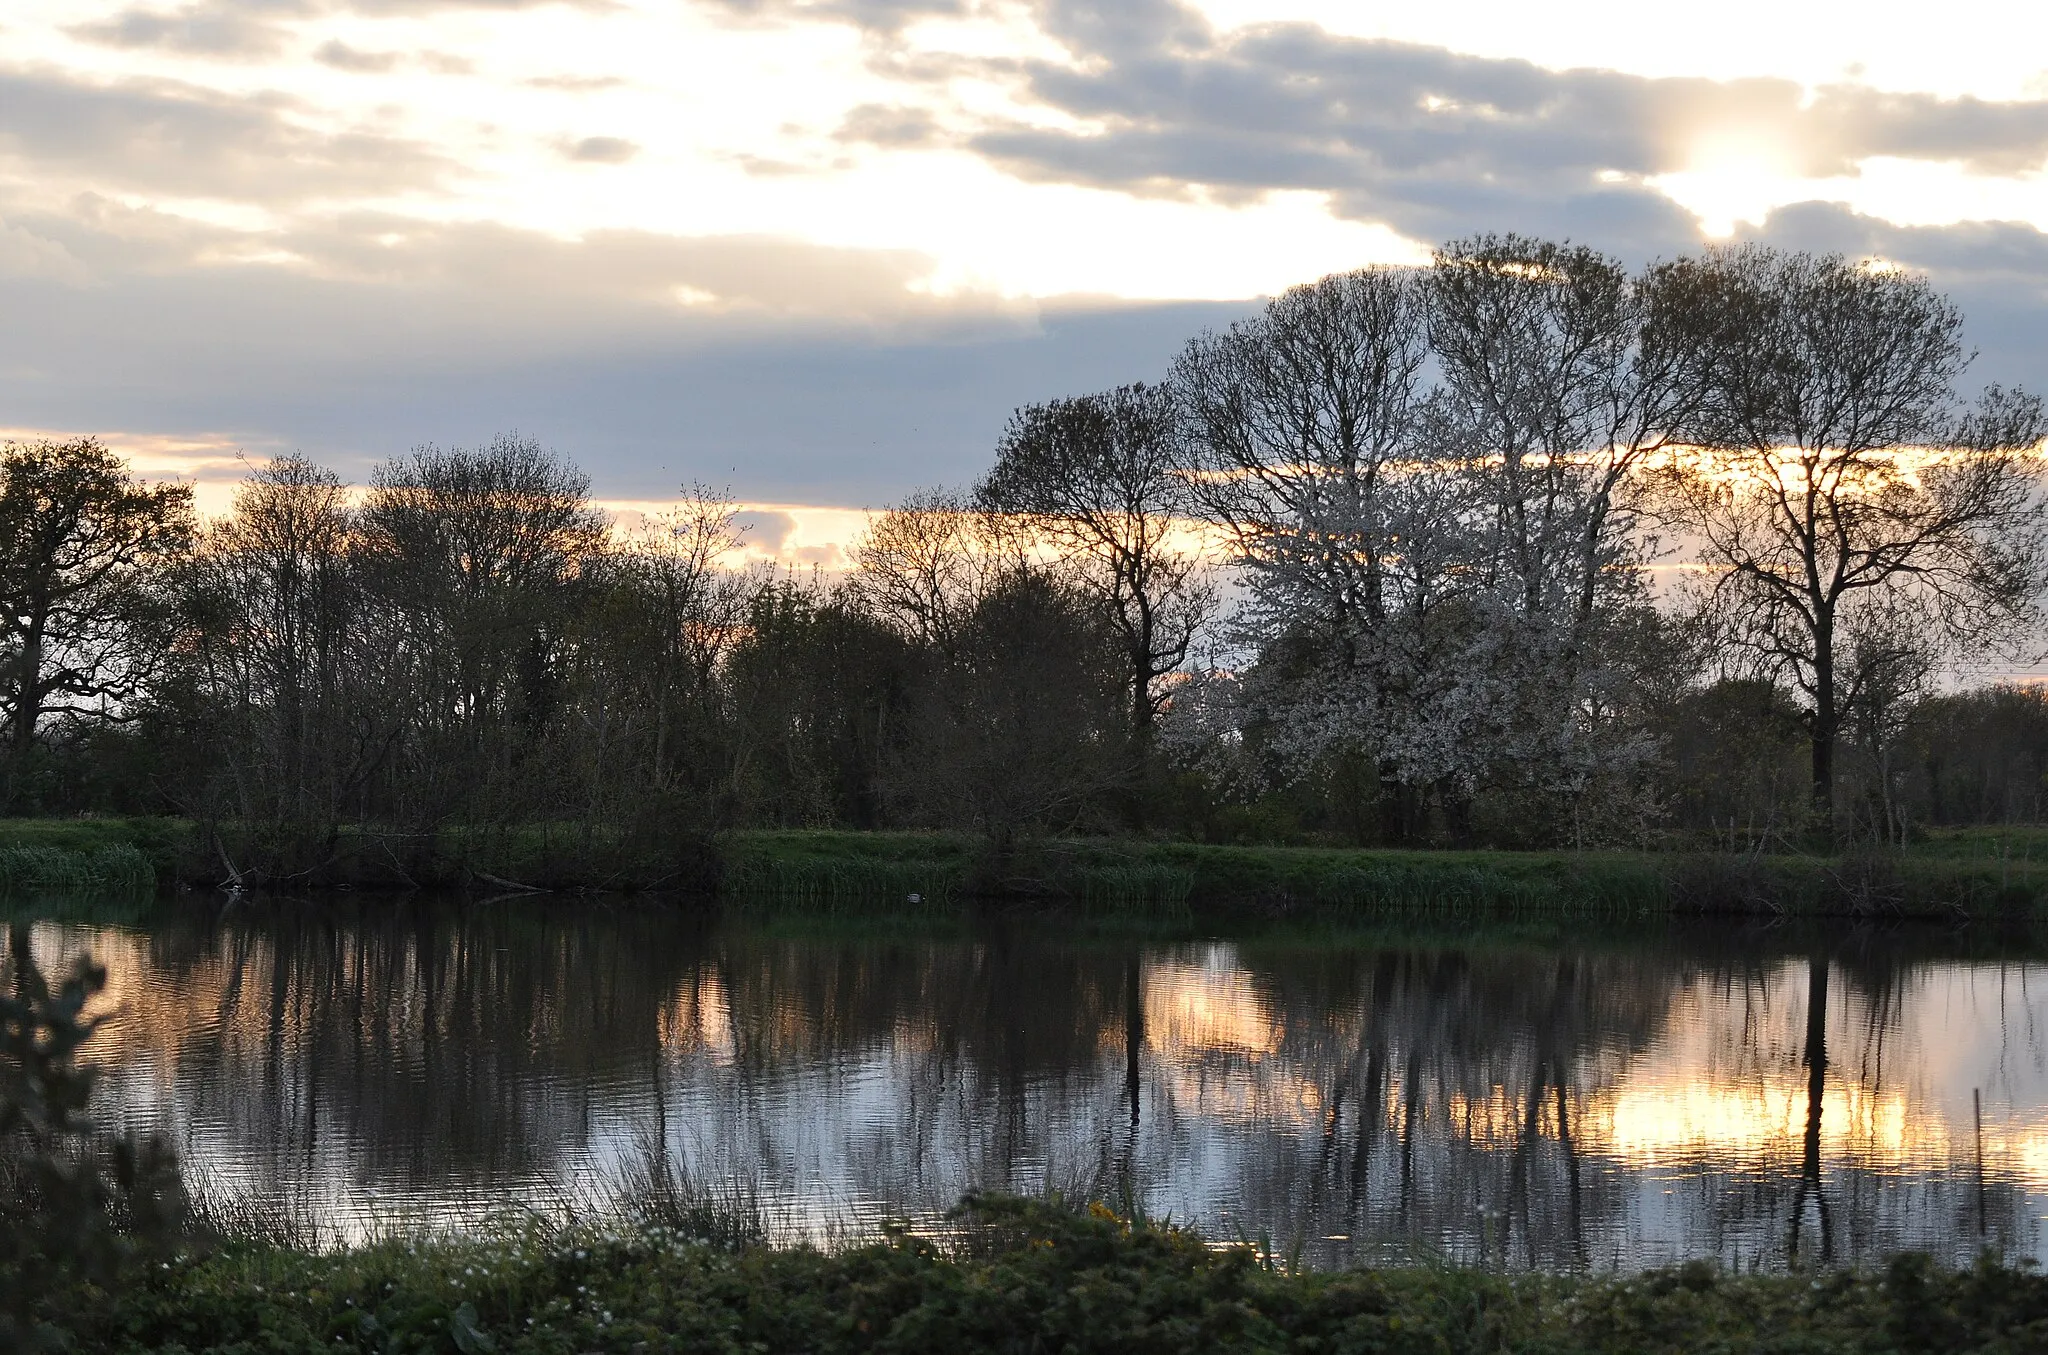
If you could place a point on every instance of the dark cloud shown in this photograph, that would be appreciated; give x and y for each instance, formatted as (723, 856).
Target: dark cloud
(492, 285)
(1997, 271)
(800, 373)
(602, 150)
(343, 57)
(178, 138)
(251, 28)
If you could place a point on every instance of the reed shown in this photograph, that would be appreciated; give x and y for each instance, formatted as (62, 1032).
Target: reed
(657, 1191)
(116, 868)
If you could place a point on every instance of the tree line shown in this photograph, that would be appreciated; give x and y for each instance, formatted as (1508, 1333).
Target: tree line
(1521, 547)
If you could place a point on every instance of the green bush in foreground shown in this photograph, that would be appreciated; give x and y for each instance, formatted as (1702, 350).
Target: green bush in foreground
(1016, 1276)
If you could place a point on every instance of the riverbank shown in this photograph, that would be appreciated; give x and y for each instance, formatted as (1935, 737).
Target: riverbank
(1971, 875)
(1011, 1275)
(1954, 875)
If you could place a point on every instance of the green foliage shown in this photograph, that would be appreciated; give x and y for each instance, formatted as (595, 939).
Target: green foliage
(115, 869)
(836, 871)
(77, 1211)
(104, 855)
(1002, 1274)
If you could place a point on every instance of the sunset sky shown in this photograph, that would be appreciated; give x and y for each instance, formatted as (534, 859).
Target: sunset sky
(816, 250)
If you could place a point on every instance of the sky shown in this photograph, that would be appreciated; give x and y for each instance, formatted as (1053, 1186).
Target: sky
(814, 251)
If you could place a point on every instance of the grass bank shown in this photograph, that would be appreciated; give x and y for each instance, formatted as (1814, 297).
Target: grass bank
(1012, 1276)
(163, 852)
(1976, 875)
(106, 857)
(1953, 875)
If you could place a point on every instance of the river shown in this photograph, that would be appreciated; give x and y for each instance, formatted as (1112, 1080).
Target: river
(1589, 1095)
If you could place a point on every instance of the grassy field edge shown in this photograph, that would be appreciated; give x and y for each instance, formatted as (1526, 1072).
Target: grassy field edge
(1956, 875)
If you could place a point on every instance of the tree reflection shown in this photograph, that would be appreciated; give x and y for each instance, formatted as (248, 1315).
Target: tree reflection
(1816, 1059)
(1486, 1102)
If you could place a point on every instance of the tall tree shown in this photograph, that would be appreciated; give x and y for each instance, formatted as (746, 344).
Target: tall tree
(1839, 477)
(675, 600)
(280, 643)
(1296, 421)
(1308, 440)
(1016, 732)
(80, 538)
(1096, 477)
(477, 558)
(1561, 374)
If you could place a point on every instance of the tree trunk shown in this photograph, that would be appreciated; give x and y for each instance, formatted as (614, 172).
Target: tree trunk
(1827, 722)
(28, 695)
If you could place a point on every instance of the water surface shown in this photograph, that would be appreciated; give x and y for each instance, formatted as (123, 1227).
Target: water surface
(1581, 1098)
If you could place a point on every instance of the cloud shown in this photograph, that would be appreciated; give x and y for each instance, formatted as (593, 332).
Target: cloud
(794, 372)
(889, 125)
(24, 254)
(575, 84)
(767, 530)
(216, 30)
(1149, 99)
(879, 16)
(602, 150)
(257, 28)
(1996, 271)
(191, 142)
(343, 57)
(180, 139)
(482, 287)
(798, 372)
(407, 8)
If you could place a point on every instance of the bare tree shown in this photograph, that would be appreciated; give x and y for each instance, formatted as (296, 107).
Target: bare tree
(1096, 478)
(477, 558)
(677, 598)
(79, 539)
(926, 563)
(1295, 421)
(1015, 733)
(1836, 464)
(279, 641)
(1561, 374)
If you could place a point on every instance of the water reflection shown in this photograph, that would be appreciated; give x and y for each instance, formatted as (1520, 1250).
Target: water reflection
(1619, 1103)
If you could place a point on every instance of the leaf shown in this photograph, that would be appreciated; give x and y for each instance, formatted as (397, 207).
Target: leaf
(470, 1339)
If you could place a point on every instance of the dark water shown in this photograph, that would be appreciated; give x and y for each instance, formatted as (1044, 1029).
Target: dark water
(1471, 1094)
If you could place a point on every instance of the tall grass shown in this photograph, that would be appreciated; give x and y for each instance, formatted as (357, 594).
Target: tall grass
(112, 868)
(656, 1191)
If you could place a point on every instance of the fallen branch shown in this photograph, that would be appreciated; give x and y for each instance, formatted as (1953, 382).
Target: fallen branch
(512, 885)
